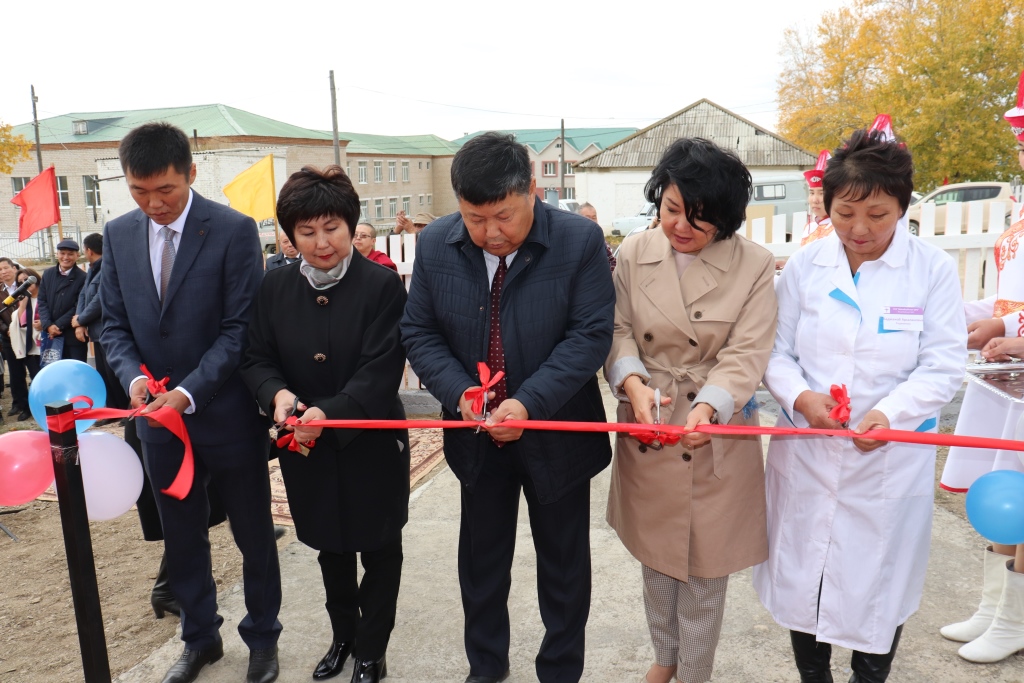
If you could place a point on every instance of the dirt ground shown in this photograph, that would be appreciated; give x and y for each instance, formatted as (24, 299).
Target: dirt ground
(38, 635)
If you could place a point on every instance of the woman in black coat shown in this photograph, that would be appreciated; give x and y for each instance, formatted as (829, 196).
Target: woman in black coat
(324, 343)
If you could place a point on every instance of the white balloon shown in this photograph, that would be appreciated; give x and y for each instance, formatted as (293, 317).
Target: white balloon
(111, 474)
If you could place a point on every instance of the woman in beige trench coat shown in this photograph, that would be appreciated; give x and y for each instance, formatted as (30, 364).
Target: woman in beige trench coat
(695, 318)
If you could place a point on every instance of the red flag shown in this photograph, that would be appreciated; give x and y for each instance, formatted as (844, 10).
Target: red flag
(39, 206)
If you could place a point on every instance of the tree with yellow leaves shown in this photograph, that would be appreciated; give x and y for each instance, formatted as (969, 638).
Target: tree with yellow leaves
(13, 148)
(945, 70)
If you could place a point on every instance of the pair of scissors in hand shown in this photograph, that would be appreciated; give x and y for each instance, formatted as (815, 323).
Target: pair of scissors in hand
(485, 413)
(656, 444)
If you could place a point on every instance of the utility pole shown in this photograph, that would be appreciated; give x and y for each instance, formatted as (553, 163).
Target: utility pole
(39, 154)
(334, 121)
(561, 165)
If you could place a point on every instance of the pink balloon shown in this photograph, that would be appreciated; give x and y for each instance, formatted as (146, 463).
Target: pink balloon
(26, 467)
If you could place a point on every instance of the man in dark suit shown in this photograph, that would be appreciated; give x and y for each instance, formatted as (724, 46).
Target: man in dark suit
(526, 288)
(179, 278)
(58, 297)
(288, 254)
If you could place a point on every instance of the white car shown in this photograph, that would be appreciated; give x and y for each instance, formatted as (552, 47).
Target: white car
(624, 226)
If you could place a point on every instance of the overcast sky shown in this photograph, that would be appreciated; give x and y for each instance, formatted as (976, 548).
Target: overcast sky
(401, 67)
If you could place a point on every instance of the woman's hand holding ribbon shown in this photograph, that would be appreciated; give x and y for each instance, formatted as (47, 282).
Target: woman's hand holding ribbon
(641, 399)
(304, 434)
(817, 409)
(700, 414)
(875, 419)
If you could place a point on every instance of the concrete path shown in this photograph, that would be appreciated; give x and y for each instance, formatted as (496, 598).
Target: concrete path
(426, 645)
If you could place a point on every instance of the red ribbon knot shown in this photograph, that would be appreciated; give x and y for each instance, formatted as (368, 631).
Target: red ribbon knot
(841, 411)
(477, 394)
(154, 386)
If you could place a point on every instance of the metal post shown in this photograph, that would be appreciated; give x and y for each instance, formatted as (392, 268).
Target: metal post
(39, 156)
(561, 166)
(334, 120)
(67, 470)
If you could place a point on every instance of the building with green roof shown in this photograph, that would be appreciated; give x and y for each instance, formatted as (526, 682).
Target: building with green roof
(391, 173)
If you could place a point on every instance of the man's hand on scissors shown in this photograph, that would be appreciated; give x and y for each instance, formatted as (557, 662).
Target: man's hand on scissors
(466, 406)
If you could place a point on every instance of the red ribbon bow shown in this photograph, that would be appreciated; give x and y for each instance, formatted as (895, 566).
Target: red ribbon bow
(155, 387)
(648, 437)
(841, 411)
(166, 416)
(288, 440)
(478, 393)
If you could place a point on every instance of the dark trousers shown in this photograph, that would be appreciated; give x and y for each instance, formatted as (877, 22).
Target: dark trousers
(76, 350)
(561, 538)
(16, 373)
(363, 612)
(238, 472)
(116, 396)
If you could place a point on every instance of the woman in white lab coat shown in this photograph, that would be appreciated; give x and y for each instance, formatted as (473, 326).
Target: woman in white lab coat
(849, 521)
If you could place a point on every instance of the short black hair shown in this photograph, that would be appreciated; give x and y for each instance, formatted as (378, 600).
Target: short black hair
(10, 261)
(94, 242)
(149, 149)
(865, 164)
(312, 193)
(489, 168)
(714, 184)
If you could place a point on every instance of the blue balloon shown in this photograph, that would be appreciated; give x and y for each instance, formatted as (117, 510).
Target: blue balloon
(995, 506)
(63, 381)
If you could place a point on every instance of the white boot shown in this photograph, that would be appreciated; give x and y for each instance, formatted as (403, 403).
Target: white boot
(1006, 634)
(995, 572)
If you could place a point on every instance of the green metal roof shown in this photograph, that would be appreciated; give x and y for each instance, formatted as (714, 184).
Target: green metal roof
(410, 145)
(210, 120)
(580, 138)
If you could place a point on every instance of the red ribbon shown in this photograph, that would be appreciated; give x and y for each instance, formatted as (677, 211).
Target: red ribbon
(841, 411)
(649, 438)
(477, 394)
(155, 387)
(289, 441)
(166, 416)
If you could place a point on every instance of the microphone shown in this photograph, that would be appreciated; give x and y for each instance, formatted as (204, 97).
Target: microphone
(20, 292)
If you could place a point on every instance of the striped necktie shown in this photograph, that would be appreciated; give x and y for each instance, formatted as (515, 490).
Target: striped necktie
(166, 260)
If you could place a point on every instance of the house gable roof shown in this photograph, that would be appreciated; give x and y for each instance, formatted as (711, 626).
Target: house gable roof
(756, 146)
(579, 139)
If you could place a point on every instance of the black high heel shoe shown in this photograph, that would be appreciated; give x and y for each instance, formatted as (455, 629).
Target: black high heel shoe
(334, 661)
(369, 671)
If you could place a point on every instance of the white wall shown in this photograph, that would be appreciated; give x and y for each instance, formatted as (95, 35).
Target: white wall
(615, 194)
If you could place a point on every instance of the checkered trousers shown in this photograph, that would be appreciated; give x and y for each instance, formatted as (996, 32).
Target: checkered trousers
(685, 619)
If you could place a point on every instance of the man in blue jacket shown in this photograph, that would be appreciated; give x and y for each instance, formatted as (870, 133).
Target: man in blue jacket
(525, 288)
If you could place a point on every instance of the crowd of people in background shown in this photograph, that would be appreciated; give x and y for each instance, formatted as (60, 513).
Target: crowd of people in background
(686, 324)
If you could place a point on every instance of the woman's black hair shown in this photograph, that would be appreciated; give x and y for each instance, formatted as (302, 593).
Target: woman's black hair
(868, 163)
(714, 184)
(312, 193)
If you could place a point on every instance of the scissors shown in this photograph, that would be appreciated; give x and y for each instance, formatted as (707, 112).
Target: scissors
(656, 444)
(485, 413)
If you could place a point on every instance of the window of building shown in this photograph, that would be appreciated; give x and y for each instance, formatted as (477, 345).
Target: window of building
(568, 168)
(769, 192)
(63, 196)
(378, 171)
(430, 197)
(405, 171)
(428, 165)
(92, 191)
(533, 170)
(348, 170)
(421, 200)
(378, 209)
(406, 202)
(392, 172)
(392, 207)
(549, 168)
(18, 184)
(364, 209)
(420, 166)
(570, 193)
(362, 172)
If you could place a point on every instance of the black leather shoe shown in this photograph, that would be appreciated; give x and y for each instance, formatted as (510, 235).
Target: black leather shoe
(26, 415)
(334, 661)
(162, 598)
(369, 670)
(263, 666)
(15, 409)
(487, 679)
(191, 662)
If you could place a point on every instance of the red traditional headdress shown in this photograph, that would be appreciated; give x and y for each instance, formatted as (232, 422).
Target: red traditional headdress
(1015, 117)
(816, 174)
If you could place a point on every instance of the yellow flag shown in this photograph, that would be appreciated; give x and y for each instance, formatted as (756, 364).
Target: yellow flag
(252, 192)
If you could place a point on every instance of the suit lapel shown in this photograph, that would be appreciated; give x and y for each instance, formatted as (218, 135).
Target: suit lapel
(660, 284)
(192, 237)
(138, 248)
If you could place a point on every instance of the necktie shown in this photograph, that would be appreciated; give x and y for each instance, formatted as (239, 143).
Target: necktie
(495, 351)
(166, 260)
